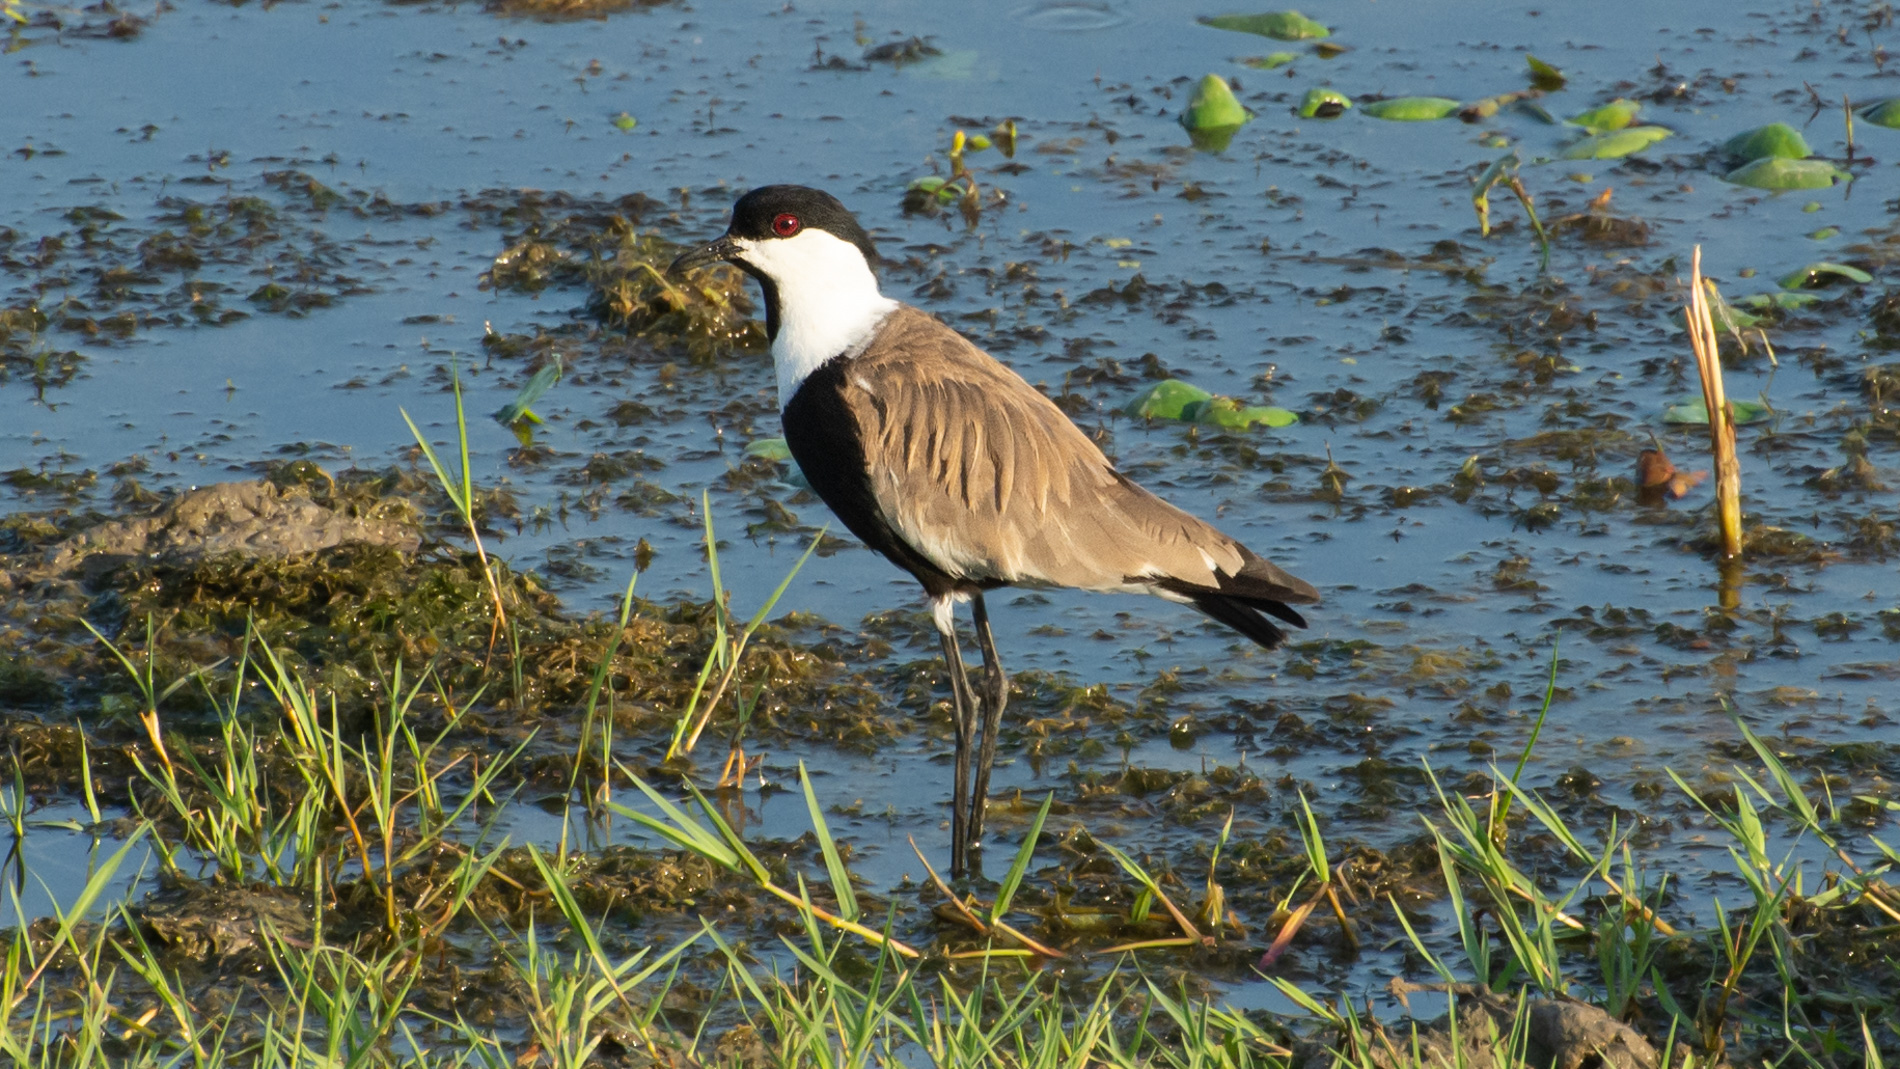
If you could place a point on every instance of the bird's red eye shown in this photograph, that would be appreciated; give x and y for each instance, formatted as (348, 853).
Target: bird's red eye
(785, 224)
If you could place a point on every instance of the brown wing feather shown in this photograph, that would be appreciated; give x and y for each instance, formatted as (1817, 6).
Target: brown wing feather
(989, 480)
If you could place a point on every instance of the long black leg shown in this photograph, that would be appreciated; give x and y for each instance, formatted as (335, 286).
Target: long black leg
(963, 703)
(995, 696)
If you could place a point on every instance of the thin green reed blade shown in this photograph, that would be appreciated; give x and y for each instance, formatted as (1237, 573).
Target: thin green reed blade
(834, 862)
(1020, 866)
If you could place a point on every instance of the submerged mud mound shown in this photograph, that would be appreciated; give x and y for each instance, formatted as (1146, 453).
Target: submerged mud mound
(1493, 1030)
(250, 519)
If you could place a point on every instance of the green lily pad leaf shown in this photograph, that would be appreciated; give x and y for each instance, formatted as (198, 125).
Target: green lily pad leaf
(1213, 139)
(1774, 172)
(772, 449)
(1244, 416)
(1615, 115)
(1174, 399)
(1616, 145)
(1698, 412)
(1544, 76)
(1166, 399)
(1728, 317)
(1885, 113)
(1777, 140)
(776, 451)
(1816, 275)
(1785, 301)
(937, 186)
(1323, 104)
(519, 409)
(1412, 109)
(1825, 233)
(1279, 25)
(1271, 60)
(625, 123)
(1214, 106)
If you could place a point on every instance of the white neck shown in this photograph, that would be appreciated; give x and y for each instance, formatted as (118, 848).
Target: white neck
(828, 301)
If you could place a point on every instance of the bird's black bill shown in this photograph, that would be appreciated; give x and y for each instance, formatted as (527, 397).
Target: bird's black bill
(723, 249)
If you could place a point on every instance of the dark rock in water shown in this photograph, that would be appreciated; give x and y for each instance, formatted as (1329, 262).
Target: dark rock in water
(1556, 1034)
(252, 519)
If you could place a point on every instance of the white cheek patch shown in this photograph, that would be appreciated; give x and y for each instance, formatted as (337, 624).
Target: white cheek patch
(828, 300)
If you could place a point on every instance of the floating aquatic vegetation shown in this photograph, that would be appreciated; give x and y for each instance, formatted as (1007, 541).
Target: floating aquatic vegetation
(774, 450)
(1279, 25)
(1776, 172)
(1480, 110)
(625, 123)
(518, 415)
(1323, 103)
(1177, 400)
(930, 193)
(1270, 61)
(1597, 223)
(1696, 413)
(1617, 144)
(1214, 113)
(1544, 76)
(1777, 140)
(1782, 301)
(1412, 109)
(899, 53)
(600, 245)
(1503, 171)
(1817, 275)
(565, 10)
(1615, 115)
(1884, 113)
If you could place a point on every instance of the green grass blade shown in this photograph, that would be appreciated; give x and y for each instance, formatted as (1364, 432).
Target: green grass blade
(441, 474)
(785, 583)
(678, 828)
(834, 863)
(1020, 867)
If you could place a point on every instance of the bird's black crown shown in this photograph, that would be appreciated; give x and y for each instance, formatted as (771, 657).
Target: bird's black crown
(814, 209)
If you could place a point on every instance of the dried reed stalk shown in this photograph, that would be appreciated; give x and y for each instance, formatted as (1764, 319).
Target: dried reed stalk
(1728, 470)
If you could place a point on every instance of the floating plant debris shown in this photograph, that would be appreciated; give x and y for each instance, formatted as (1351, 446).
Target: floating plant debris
(1816, 275)
(1544, 76)
(1776, 172)
(1279, 25)
(1214, 107)
(1412, 109)
(1615, 115)
(1614, 145)
(1885, 113)
(520, 409)
(1323, 103)
(1777, 140)
(1271, 61)
(1177, 400)
(1695, 412)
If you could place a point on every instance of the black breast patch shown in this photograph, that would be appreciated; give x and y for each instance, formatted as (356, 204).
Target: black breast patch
(823, 435)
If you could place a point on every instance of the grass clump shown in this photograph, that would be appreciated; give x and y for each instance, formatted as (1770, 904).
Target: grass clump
(325, 761)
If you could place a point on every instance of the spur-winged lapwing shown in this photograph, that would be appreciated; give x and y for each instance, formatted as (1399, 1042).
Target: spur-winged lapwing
(955, 468)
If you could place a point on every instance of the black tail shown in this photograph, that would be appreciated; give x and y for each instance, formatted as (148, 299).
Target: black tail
(1245, 616)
